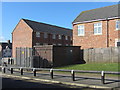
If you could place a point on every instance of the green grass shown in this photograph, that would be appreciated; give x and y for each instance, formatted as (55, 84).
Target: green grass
(94, 67)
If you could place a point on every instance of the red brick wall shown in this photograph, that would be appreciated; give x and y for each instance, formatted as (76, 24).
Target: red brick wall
(113, 33)
(21, 37)
(95, 41)
(24, 36)
(50, 40)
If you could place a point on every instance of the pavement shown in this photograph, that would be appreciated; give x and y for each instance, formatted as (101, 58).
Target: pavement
(81, 80)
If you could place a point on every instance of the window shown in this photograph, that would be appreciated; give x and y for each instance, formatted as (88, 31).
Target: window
(66, 44)
(80, 30)
(66, 37)
(45, 35)
(98, 28)
(45, 44)
(118, 25)
(54, 36)
(71, 38)
(37, 44)
(117, 42)
(59, 36)
(37, 34)
(54, 44)
(59, 44)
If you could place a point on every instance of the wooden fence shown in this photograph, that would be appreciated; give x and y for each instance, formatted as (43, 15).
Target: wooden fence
(111, 54)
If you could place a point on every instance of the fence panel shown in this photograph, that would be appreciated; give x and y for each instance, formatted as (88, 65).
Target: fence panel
(111, 54)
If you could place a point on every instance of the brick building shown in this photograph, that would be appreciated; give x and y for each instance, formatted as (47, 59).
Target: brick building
(97, 28)
(5, 49)
(29, 33)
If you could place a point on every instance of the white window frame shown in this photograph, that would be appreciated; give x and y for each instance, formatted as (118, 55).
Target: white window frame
(117, 24)
(80, 32)
(59, 36)
(53, 36)
(45, 35)
(96, 26)
(37, 34)
(66, 37)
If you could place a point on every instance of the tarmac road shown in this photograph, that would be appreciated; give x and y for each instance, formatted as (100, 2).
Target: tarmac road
(8, 83)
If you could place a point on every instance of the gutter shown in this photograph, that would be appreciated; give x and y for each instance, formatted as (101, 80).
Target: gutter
(107, 33)
(95, 20)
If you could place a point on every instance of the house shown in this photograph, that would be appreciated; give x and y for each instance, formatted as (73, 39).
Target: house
(97, 28)
(29, 33)
(5, 49)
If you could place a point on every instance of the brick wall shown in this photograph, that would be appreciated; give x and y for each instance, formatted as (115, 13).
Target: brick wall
(24, 36)
(21, 37)
(49, 40)
(95, 41)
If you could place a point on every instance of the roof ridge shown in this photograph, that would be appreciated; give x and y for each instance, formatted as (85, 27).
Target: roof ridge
(47, 24)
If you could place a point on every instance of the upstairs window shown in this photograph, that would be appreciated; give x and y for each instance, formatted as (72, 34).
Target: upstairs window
(37, 44)
(98, 28)
(66, 44)
(80, 30)
(66, 37)
(59, 37)
(37, 34)
(59, 44)
(118, 25)
(54, 36)
(45, 35)
(71, 38)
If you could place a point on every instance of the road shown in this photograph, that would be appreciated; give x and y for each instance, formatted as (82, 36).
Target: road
(8, 83)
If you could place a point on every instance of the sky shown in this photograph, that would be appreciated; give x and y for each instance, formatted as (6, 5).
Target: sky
(56, 13)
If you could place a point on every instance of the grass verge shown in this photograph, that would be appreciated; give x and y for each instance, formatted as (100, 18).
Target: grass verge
(94, 67)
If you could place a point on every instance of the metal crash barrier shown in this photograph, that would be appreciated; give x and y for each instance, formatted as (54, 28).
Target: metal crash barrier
(51, 71)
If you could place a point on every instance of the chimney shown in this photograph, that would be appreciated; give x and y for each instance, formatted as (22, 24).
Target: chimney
(8, 41)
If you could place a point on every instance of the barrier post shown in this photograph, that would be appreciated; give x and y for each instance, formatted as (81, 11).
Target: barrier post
(51, 73)
(3, 69)
(73, 75)
(21, 71)
(11, 69)
(103, 77)
(34, 71)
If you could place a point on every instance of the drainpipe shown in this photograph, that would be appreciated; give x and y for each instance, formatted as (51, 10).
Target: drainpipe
(107, 33)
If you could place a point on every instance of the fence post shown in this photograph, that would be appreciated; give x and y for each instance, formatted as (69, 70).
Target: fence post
(21, 71)
(103, 77)
(73, 75)
(3, 69)
(51, 73)
(11, 69)
(34, 71)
